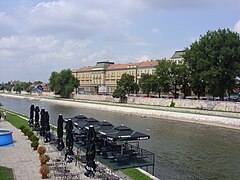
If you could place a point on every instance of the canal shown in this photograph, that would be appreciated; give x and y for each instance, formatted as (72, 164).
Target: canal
(183, 150)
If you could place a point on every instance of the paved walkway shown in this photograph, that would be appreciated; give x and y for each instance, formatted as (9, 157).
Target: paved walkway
(20, 157)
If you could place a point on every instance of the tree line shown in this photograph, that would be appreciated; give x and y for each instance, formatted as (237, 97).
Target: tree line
(210, 66)
(18, 87)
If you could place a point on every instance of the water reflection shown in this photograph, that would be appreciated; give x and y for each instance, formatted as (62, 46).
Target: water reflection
(184, 150)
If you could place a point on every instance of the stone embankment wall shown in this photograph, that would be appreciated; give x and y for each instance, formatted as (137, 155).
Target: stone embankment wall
(182, 103)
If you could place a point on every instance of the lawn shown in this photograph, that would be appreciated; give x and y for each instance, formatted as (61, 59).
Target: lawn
(6, 173)
(14, 119)
(136, 174)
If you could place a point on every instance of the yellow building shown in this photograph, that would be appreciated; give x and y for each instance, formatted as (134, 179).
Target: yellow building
(103, 77)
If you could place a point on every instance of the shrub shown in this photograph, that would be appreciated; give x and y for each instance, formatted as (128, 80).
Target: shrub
(44, 170)
(34, 138)
(172, 104)
(44, 158)
(22, 127)
(25, 131)
(29, 134)
(34, 144)
(41, 150)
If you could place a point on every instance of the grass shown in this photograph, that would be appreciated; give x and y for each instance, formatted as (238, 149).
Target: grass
(136, 174)
(15, 120)
(6, 173)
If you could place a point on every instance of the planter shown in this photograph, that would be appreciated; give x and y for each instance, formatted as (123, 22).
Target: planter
(44, 176)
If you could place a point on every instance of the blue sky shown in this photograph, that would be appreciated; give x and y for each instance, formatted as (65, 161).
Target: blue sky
(38, 37)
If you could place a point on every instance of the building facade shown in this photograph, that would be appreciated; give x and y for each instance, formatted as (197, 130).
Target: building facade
(102, 78)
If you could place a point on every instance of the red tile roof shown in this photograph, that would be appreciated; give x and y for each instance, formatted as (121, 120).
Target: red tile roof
(89, 68)
(148, 64)
(122, 66)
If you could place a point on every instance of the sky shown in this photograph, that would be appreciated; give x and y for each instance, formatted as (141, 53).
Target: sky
(38, 37)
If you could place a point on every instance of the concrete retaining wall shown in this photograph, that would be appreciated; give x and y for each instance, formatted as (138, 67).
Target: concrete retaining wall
(183, 103)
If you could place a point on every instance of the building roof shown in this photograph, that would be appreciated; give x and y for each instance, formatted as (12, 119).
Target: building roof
(110, 66)
(89, 68)
(148, 64)
(177, 55)
(122, 66)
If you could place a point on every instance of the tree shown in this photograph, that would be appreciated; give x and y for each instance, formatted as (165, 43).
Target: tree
(120, 92)
(125, 86)
(214, 61)
(18, 88)
(168, 77)
(147, 83)
(127, 81)
(162, 76)
(184, 77)
(37, 82)
(63, 83)
(29, 89)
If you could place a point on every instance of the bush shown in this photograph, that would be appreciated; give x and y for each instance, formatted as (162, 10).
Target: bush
(172, 104)
(41, 150)
(34, 138)
(0, 104)
(44, 170)
(44, 158)
(34, 144)
(25, 131)
(22, 127)
(29, 134)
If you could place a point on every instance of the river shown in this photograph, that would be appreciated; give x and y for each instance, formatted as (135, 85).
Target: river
(183, 150)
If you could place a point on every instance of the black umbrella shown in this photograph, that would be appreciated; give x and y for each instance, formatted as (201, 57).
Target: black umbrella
(82, 123)
(60, 145)
(123, 133)
(91, 152)
(42, 121)
(30, 122)
(46, 127)
(69, 141)
(100, 126)
(37, 126)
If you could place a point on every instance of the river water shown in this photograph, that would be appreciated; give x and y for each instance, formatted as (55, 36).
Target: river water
(183, 150)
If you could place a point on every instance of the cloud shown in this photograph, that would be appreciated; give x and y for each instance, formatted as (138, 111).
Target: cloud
(237, 27)
(7, 24)
(127, 38)
(155, 30)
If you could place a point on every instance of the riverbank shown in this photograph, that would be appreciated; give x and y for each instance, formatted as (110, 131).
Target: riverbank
(215, 118)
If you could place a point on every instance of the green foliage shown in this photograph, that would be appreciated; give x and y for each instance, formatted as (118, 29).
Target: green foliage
(35, 144)
(22, 127)
(6, 173)
(0, 104)
(37, 82)
(29, 134)
(18, 88)
(25, 131)
(63, 83)
(172, 104)
(34, 138)
(125, 86)
(147, 83)
(169, 76)
(214, 62)
(15, 120)
(121, 93)
(135, 174)
(29, 89)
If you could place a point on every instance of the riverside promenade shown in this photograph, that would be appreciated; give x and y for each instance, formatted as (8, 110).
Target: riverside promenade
(25, 162)
(20, 157)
